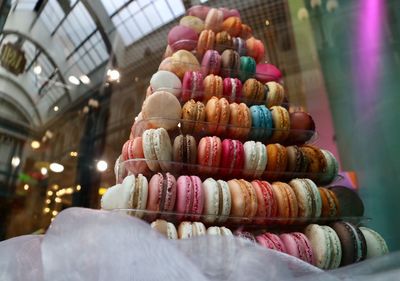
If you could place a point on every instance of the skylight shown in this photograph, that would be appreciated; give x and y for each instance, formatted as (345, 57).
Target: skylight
(135, 19)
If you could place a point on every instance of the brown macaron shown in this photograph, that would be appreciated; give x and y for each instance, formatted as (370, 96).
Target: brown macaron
(297, 163)
(277, 161)
(239, 121)
(185, 151)
(223, 41)
(316, 160)
(302, 127)
(349, 201)
(253, 91)
(217, 114)
(193, 115)
(230, 64)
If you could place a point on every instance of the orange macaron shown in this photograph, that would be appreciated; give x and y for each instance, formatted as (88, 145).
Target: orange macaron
(217, 114)
(277, 161)
(239, 121)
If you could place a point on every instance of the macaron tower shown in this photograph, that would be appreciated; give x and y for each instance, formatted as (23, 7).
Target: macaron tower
(215, 149)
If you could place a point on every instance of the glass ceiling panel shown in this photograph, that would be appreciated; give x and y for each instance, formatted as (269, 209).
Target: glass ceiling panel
(141, 17)
(24, 4)
(53, 14)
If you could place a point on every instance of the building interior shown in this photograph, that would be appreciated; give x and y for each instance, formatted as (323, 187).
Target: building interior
(81, 68)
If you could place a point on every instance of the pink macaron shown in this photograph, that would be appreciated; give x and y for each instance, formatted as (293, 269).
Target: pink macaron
(189, 197)
(192, 86)
(211, 63)
(271, 241)
(297, 245)
(182, 38)
(133, 149)
(227, 13)
(199, 11)
(214, 20)
(267, 205)
(266, 72)
(232, 157)
(232, 89)
(161, 194)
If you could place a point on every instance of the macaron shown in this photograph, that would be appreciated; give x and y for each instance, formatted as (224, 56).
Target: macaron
(165, 228)
(246, 32)
(161, 194)
(185, 151)
(255, 49)
(261, 120)
(232, 89)
(244, 200)
(192, 86)
(198, 11)
(308, 198)
(157, 149)
(132, 193)
(218, 114)
(214, 20)
(193, 115)
(297, 162)
(330, 204)
(206, 42)
(161, 109)
(229, 12)
(376, 245)
(255, 159)
(281, 120)
(213, 86)
(209, 154)
(336, 252)
(239, 45)
(223, 41)
(253, 91)
(332, 168)
(350, 203)
(211, 63)
(247, 68)
(267, 205)
(166, 81)
(192, 22)
(230, 64)
(302, 127)
(119, 170)
(182, 38)
(131, 150)
(180, 62)
(219, 231)
(317, 162)
(298, 245)
(187, 229)
(232, 25)
(189, 197)
(286, 202)
(325, 245)
(275, 94)
(232, 158)
(277, 161)
(217, 201)
(239, 121)
(352, 240)
(271, 241)
(266, 72)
